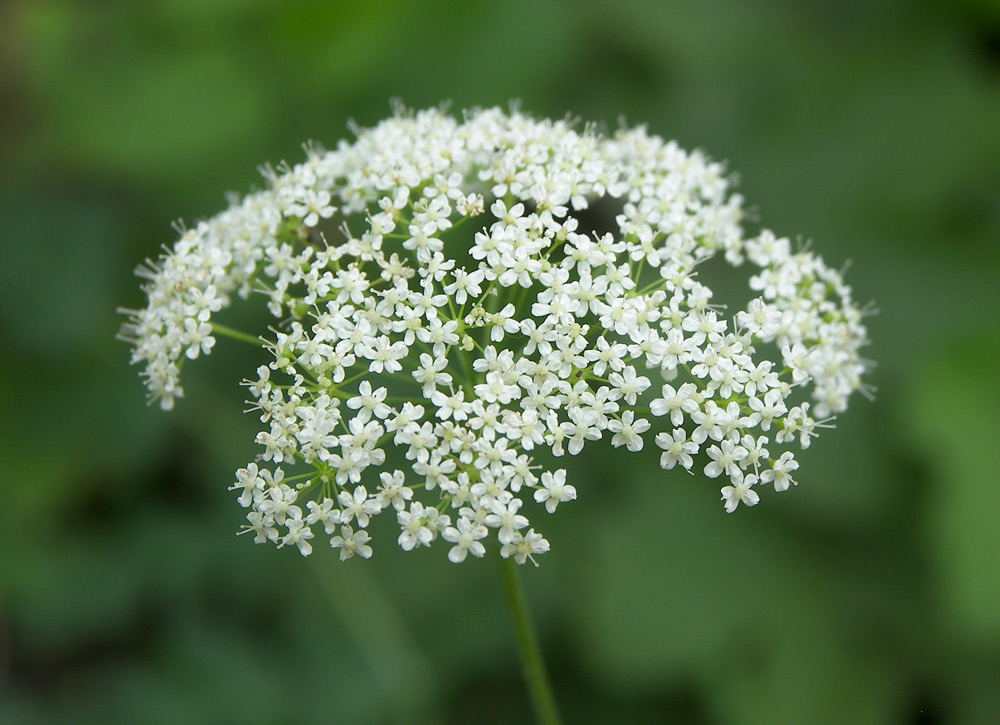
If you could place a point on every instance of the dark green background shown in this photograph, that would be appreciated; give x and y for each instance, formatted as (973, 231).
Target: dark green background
(870, 594)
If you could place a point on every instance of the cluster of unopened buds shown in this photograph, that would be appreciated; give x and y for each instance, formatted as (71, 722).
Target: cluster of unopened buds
(462, 303)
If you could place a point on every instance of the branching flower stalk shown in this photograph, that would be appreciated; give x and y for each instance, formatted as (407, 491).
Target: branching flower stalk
(486, 296)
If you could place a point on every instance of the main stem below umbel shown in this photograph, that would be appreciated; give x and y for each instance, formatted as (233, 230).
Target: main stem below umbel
(542, 698)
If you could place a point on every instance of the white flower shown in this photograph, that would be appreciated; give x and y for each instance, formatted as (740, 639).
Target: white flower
(525, 547)
(676, 449)
(299, 534)
(740, 492)
(466, 538)
(507, 521)
(358, 506)
(628, 431)
(369, 402)
(324, 513)
(197, 337)
(414, 523)
(606, 355)
(392, 492)
(676, 403)
(725, 459)
(780, 472)
(262, 526)
(351, 542)
(430, 372)
(627, 385)
(495, 390)
(555, 490)
(249, 482)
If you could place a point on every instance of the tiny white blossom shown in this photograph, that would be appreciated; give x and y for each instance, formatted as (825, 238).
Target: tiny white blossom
(676, 449)
(298, 534)
(554, 490)
(525, 547)
(351, 542)
(780, 472)
(740, 492)
(466, 538)
(628, 431)
(323, 513)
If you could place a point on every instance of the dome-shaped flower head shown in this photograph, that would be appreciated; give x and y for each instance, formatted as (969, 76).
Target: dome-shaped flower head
(475, 300)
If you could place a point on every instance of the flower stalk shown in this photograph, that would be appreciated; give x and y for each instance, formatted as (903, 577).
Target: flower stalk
(535, 675)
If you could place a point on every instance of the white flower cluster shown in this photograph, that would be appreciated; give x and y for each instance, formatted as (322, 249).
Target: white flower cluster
(446, 294)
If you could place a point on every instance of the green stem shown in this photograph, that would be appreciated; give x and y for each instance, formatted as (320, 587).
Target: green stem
(542, 699)
(235, 334)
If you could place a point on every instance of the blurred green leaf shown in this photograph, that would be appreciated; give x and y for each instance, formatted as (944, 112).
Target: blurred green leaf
(954, 413)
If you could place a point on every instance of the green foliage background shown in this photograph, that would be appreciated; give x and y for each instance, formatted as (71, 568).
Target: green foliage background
(870, 594)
